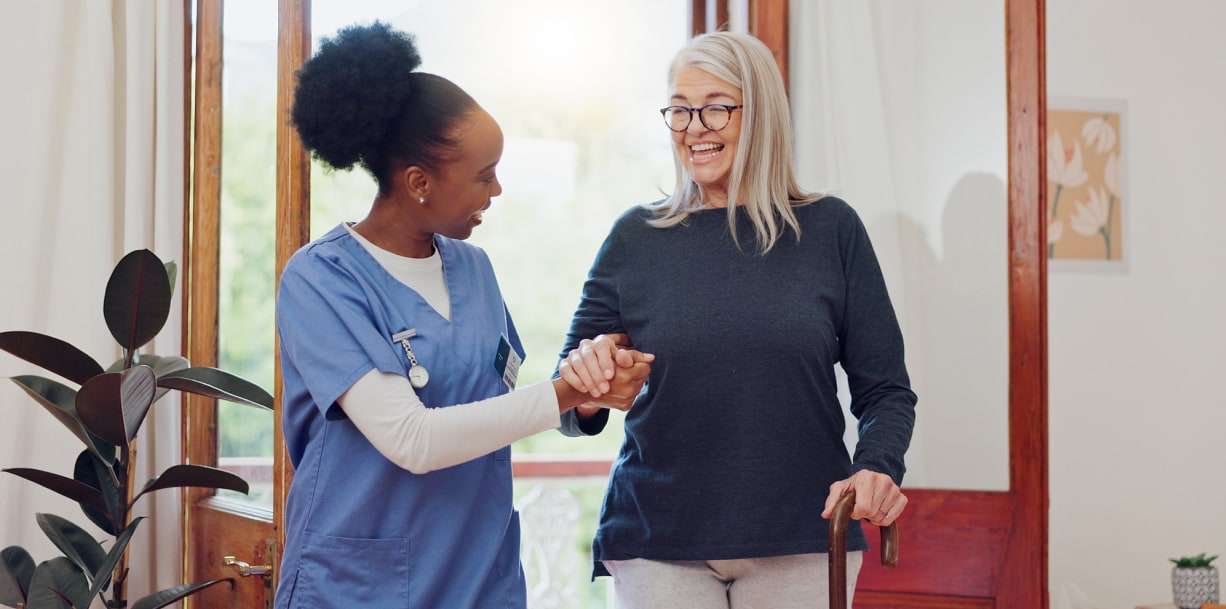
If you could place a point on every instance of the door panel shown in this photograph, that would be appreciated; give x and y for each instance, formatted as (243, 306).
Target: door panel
(216, 527)
(977, 548)
(245, 537)
(962, 561)
(876, 600)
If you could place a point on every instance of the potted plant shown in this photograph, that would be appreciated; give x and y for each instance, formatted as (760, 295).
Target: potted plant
(105, 413)
(1194, 581)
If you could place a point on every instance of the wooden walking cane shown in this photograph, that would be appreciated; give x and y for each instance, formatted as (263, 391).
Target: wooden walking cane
(838, 548)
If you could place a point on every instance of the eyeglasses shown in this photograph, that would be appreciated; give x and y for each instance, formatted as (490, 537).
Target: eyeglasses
(712, 116)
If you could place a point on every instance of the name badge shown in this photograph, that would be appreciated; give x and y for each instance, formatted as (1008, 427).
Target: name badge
(506, 362)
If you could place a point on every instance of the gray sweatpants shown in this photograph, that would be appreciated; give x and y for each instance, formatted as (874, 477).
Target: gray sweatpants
(778, 582)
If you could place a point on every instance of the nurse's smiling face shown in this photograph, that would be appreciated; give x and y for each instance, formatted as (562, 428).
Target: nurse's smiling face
(459, 191)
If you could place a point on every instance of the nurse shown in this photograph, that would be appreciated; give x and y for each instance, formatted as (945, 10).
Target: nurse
(398, 353)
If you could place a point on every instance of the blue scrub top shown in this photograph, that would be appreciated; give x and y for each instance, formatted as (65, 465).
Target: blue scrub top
(360, 531)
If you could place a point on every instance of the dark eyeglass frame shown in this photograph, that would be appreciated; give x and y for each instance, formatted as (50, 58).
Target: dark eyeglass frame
(701, 111)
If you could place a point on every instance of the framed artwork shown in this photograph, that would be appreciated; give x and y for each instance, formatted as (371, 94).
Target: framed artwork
(1087, 200)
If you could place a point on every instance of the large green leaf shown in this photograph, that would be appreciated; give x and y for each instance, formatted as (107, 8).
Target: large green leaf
(172, 273)
(51, 354)
(216, 383)
(137, 299)
(58, 584)
(67, 487)
(60, 401)
(16, 569)
(195, 475)
(112, 557)
(161, 364)
(157, 600)
(91, 471)
(100, 406)
(77, 545)
(136, 395)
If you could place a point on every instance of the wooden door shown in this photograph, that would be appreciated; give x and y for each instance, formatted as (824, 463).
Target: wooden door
(979, 549)
(224, 538)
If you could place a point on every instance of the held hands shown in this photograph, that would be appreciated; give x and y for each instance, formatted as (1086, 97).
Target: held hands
(607, 371)
(623, 387)
(596, 362)
(878, 499)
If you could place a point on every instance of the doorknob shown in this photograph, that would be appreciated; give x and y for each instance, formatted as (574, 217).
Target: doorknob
(245, 569)
(267, 571)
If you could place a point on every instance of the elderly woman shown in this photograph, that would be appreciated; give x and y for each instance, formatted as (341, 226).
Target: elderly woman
(748, 291)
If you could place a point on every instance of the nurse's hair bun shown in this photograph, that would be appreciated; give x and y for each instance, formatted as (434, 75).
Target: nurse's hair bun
(350, 93)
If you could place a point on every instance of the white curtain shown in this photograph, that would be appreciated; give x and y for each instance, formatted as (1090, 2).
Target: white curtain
(899, 107)
(91, 168)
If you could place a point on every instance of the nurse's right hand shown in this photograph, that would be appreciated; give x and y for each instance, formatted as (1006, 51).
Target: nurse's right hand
(590, 366)
(623, 387)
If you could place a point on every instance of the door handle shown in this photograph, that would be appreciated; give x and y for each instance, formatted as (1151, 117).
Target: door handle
(266, 571)
(245, 569)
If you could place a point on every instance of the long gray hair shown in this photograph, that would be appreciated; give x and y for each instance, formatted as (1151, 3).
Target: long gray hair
(762, 180)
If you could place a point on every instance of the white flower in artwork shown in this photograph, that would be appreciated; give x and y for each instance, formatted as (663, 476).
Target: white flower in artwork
(1111, 174)
(1055, 230)
(1092, 214)
(1064, 166)
(1098, 134)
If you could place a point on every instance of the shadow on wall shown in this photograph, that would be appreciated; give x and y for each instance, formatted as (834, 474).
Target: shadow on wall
(954, 310)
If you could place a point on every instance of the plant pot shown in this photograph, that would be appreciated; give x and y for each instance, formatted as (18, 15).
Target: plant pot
(1194, 586)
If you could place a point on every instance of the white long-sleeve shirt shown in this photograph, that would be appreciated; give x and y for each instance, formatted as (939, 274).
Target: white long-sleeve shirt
(386, 409)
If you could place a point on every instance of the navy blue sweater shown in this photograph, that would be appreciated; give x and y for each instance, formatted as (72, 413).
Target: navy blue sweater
(732, 447)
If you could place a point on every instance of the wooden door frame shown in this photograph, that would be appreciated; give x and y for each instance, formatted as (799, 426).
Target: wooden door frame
(254, 535)
(202, 242)
(1000, 539)
(293, 198)
(229, 528)
(1025, 32)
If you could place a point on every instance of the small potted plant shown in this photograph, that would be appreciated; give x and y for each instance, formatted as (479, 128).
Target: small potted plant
(1194, 581)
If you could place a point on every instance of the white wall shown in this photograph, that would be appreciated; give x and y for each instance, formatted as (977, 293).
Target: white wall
(1137, 423)
(90, 170)
(1137, 415)
(58, 217)
(886, 118)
